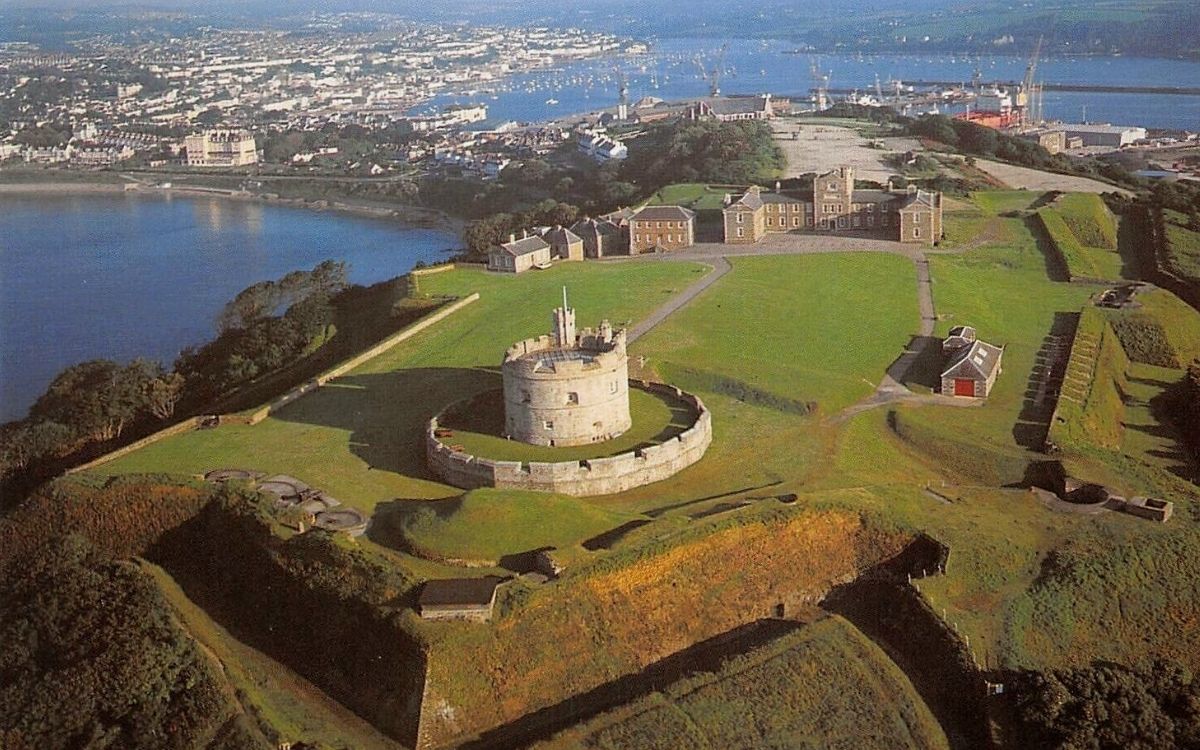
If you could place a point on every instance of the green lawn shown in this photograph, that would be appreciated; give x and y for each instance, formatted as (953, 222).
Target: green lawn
(693, 195)
(360, 437)
(478, 426)
(824, 685)
(487, 524)
(818, 328)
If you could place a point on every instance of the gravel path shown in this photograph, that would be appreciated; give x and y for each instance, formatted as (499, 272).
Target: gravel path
(1035, 179)
(720, 267)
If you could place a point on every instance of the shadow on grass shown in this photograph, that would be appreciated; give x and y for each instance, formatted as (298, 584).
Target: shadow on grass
(1056, 264)
(705, 656)
(920, 364)
(1128, 240)
(1045, 379)
(386, 413)
(389, 520)
(612, 536)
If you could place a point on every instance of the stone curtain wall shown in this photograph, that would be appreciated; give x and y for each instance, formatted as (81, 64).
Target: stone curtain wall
(597, 476)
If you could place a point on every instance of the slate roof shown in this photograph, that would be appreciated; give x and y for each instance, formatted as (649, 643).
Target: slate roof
(459, 592)
(921, 199)
(595, 228)
(979, 360)
(561, 236)
(664, 213)
(525, 246)
(737, 105)
(751, 199)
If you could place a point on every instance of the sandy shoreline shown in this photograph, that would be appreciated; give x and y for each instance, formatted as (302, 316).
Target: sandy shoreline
(409, 216)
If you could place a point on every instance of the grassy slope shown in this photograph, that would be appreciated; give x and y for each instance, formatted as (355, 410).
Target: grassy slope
(1088, 219)
(825, 685)
(1082, 261)
(1184, 260)
(289, 704)
(359, 439)
(490, 523)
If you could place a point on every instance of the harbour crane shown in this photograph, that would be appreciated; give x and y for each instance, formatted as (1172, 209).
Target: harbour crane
(1030, 113)
(821, 79)
(623, 95)
(713, 77)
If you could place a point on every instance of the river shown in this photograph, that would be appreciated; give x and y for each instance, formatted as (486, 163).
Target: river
(670, 72)
(121, 276)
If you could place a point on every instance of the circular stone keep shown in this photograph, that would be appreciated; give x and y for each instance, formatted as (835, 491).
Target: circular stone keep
(568, 388)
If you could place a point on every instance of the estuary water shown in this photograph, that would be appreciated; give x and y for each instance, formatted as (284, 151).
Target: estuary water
(672, 71)
(90, 276)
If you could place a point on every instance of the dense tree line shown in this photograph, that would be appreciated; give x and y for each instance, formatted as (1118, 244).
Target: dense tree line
(1109, 707)
(490, 230)
(93, 658)
(97, 402)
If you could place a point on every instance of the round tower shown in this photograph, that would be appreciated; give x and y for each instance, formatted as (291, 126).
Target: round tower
(568, 388)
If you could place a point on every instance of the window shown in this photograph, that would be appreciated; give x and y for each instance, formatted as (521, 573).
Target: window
(741, 218)
(870, 221)
(572, 398)
(525, 397)
(870, 208)
(810, 221)
(795, 221)
(770, 221)
(613, 387)
(547, 424)
(855, 220)
(831, 187)
(916, 231)
(824, 223)
(741, 232)
(659, 225)
(841, 222)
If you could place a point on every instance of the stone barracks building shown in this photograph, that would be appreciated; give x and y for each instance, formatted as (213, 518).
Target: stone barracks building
(909, 215)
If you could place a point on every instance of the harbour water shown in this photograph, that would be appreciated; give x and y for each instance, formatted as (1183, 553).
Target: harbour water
(672, 71)
(116, 276)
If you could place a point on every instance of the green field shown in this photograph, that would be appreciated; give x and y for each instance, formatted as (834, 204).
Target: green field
(360, 437)
(1030, 586)
(822, 686)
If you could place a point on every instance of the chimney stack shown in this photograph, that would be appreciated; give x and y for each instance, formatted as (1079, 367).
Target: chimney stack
(512, 237)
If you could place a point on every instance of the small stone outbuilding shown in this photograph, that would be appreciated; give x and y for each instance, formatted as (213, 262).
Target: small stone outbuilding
(972, 369)
(518, 255)
(459, 598)
(564, 244)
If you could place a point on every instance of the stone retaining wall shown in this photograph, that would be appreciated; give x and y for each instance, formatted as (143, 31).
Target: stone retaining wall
(594, 476)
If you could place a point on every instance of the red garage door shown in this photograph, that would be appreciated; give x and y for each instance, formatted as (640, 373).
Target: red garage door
(964, 387)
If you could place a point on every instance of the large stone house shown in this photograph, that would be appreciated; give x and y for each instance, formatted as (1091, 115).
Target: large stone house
(909, 215)
(601, 238)
(972, 366)
(661, 228)
(520, 255)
